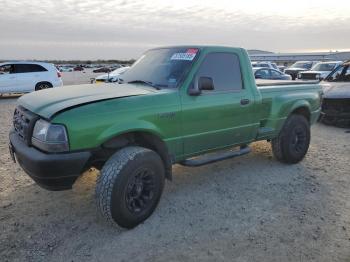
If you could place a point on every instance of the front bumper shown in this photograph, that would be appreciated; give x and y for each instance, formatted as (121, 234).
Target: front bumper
(336, 112)
(339, 107)
(50, 171)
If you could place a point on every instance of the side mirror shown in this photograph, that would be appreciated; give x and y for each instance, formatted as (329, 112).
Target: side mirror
(205, 83)
(202, 83)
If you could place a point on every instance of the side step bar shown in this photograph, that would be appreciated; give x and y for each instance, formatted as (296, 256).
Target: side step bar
(200, 161)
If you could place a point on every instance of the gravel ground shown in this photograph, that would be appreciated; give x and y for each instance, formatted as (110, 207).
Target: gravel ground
(251, 208)
(79, 77)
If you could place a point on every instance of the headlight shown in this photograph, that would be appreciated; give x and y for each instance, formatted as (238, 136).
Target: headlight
(50, 137)
(299, 75)
(317, 76)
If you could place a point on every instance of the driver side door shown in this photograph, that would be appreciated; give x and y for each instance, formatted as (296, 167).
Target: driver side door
(220, 117)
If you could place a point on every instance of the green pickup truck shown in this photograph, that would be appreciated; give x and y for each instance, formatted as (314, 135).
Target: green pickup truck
(176, 105)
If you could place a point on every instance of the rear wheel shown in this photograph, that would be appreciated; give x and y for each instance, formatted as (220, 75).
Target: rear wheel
(292, 143)
(42, 85)
(130, 185)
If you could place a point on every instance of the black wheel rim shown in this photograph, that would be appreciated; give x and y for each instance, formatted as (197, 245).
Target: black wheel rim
(299, 139)
(43, 86)
(140, 190)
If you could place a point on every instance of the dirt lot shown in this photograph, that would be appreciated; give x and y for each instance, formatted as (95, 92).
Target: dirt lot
(79, 77)
(246, 209)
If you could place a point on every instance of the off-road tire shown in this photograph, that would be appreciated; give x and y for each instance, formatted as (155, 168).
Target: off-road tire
(113, 185)
(292, 143)
(42, 85)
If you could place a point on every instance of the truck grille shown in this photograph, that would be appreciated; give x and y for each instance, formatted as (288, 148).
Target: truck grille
(336, 107)
(308, 76)
(23, 123)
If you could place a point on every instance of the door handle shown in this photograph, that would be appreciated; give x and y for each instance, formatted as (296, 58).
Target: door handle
(245, 101)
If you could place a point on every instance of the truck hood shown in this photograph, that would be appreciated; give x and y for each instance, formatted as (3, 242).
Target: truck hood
(336, 90)
(48, 102)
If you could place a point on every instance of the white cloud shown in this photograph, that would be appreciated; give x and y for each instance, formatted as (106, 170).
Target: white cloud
(123, 29)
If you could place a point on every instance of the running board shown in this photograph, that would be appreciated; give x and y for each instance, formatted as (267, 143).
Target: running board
(200, 161)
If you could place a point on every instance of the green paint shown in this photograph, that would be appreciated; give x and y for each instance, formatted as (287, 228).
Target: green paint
(189, 125)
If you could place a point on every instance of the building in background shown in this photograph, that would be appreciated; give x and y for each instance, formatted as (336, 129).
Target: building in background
(286, 59)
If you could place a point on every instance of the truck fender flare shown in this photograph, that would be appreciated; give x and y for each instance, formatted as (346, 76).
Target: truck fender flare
(145, 138)
(301, 107)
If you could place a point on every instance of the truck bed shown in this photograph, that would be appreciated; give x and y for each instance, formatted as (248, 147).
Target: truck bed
(278, 96)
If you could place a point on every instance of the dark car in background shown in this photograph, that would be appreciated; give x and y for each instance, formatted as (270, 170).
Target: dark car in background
(102, 70)
(336, 98)
(78, 68)
(298, 67)
(268, 73)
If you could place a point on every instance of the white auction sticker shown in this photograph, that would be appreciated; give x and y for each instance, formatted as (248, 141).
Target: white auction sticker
(183, 56)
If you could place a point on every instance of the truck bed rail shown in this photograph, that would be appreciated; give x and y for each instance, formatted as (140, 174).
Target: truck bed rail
(261, 82)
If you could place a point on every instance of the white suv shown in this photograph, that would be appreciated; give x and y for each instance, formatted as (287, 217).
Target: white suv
(23, 77)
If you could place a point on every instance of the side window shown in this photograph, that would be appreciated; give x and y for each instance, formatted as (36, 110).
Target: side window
(263, 73)
(6, 69)
(28, 68)
(275, 73)
(20, 68)
(224, 69)
(36, 68)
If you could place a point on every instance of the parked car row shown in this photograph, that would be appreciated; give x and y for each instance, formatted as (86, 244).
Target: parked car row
(298, 67)
(335, 77)
(97, 68)
(25, 77)
(319, 71)
(305, 70)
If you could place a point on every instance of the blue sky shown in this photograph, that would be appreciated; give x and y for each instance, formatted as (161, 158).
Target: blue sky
(90, 29)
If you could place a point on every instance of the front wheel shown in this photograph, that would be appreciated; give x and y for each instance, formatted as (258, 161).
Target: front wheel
(292, 143)
(130, 185)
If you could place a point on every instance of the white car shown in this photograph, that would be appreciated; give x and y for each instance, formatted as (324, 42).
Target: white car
(24, 77)
(65, 69)
(112, 76)
(270, 65)
(319, 71)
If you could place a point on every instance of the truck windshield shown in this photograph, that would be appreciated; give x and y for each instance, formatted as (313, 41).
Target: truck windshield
(341, 74)
(324, 67)
(164, 67)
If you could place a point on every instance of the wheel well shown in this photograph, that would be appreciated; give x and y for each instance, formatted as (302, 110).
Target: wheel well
(304, 111)
(144, 139)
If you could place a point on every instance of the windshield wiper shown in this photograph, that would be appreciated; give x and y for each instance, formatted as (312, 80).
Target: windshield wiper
(144, 82)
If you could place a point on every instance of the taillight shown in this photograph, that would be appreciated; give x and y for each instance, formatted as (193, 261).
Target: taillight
(59, 74)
